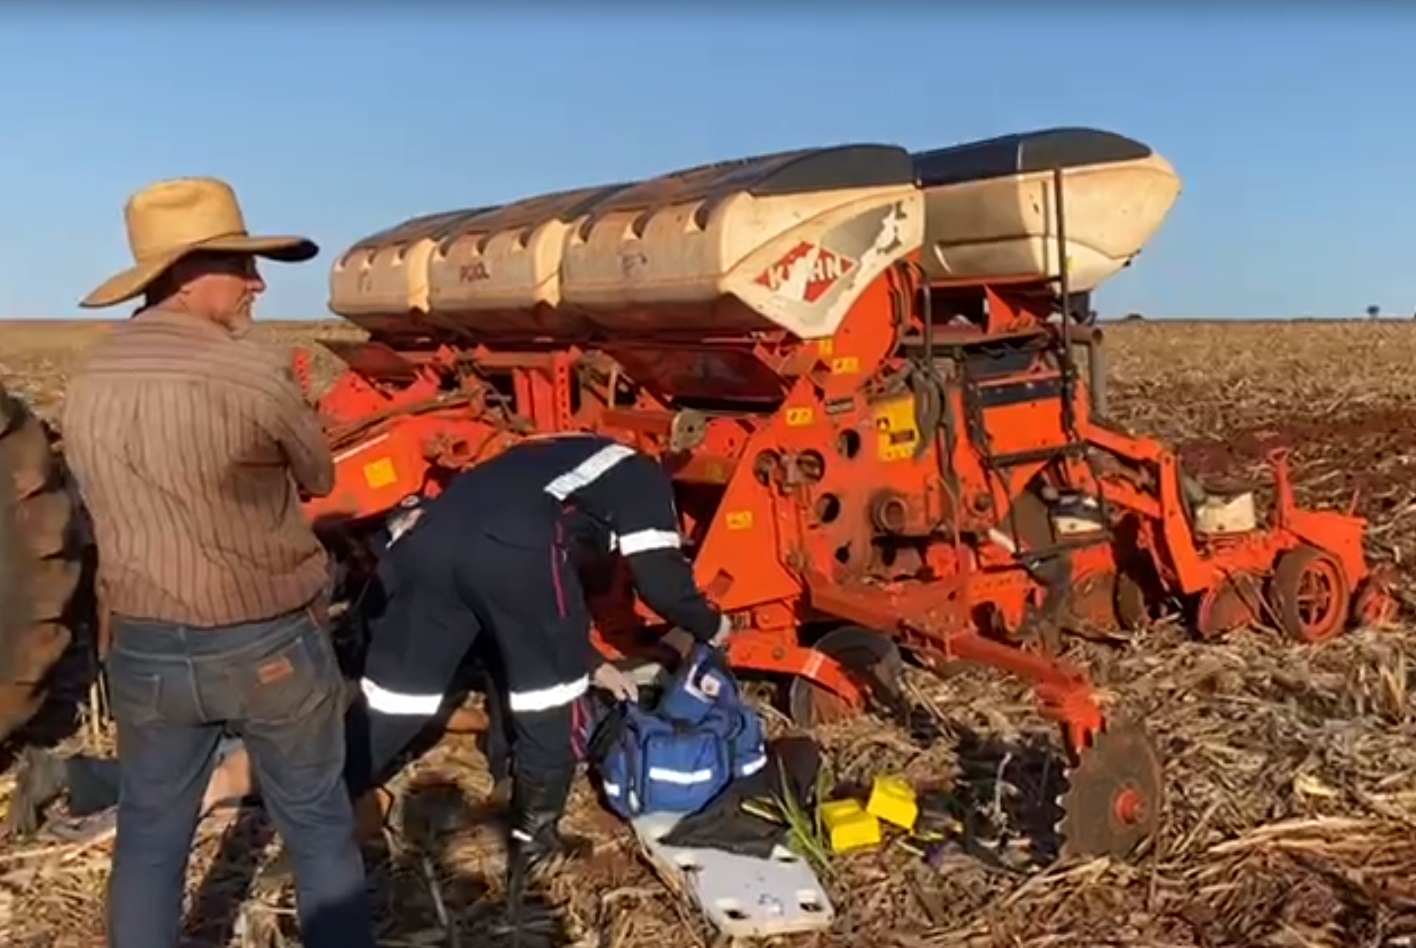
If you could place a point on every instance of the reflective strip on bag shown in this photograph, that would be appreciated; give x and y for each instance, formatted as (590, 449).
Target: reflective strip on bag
(752, 766)
(682, 778)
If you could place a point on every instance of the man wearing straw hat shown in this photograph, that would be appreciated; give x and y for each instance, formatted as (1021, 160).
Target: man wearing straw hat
(189, 443)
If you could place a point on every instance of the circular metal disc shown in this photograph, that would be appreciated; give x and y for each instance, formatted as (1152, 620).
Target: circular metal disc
(1115, 796)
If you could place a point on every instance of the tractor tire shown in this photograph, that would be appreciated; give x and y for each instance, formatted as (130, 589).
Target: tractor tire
(43, 541)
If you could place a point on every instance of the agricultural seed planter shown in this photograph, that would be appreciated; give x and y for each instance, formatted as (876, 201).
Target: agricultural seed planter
(848, 360)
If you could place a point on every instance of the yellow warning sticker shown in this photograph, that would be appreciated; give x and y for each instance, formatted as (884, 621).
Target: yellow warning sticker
(739, 519)
(897, 433)
(380, 473)
(797, 417)
(845, 365)
(825, 346)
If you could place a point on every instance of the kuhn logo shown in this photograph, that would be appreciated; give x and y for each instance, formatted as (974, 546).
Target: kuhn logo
(806, 273)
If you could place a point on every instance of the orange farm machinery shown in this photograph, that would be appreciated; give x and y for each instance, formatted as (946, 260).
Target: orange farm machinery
(861, 367)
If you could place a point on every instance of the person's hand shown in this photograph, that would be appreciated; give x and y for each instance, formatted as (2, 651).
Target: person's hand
(616, 682)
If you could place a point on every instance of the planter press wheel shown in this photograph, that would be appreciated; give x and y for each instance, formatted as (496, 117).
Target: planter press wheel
(40, 563)
(871, 659)
(1311, 595)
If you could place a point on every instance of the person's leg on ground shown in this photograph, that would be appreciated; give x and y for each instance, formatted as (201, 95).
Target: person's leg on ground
(165, 762)
(544, 687)
(416, 642)
(293, 727)
(498, 737)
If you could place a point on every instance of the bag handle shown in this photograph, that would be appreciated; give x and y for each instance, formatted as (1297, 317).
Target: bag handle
(611, 729)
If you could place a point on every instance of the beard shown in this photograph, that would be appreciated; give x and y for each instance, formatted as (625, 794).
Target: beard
(239, 322)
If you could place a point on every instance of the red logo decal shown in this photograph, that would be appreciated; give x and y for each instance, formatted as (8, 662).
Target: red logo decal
(806, 272)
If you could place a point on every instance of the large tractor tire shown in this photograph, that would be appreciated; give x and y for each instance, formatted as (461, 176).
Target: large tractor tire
(44, 542)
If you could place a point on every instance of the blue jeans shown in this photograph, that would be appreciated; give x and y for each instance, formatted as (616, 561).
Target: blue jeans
(275, 683)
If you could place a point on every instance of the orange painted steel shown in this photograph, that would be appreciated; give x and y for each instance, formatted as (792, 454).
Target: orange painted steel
(831, 500)
(908, 471)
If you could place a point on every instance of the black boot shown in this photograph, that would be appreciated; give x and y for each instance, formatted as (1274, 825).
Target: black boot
(537, 804)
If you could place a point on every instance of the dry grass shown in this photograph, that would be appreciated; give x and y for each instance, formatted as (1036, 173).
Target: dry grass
(1291, 772)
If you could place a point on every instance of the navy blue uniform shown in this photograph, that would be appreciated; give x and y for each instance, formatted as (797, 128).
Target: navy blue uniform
(491, 553)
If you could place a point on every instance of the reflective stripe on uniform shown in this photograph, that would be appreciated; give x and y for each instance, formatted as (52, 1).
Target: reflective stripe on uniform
(384, 701)
(545, 699)
(587, 471)
(643, 541)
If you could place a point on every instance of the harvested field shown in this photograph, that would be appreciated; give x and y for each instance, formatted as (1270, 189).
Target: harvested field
(1291, 772)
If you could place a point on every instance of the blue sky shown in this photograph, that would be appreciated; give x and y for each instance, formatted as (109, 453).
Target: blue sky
(1291, 124)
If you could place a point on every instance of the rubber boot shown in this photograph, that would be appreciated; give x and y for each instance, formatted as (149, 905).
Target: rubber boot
(537, 804)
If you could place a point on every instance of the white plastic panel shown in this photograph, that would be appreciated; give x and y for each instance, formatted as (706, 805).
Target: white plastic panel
(739, 895)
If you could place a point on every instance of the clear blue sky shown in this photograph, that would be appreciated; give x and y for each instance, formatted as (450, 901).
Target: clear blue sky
(1293, 125)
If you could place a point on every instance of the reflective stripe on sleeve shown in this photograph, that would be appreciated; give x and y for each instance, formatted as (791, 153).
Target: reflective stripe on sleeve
(643, 541)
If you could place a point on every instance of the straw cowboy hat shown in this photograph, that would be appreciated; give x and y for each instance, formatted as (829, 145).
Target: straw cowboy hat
(170, 219)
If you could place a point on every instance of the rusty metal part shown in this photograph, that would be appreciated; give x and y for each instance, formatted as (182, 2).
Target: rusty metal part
(1233, 604)
(871, 659)
(1115, 795)
(1132, 610)
(687, 430)
(1376, 604)
(1310, 595)
(1092, 599)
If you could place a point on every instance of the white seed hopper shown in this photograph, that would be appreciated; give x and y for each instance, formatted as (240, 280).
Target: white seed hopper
(991, 205)
(785, 241)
